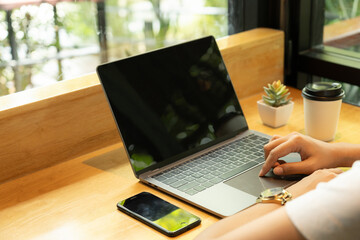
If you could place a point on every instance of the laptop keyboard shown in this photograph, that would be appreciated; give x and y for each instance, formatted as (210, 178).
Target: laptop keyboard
(215, 166)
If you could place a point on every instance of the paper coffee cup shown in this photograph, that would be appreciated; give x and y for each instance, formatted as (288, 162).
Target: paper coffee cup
(322, 104)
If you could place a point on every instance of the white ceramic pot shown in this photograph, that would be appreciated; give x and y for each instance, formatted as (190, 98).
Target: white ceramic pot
(275, 116)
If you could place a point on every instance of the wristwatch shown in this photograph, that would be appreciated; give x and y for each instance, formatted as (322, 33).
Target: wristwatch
(274, 195)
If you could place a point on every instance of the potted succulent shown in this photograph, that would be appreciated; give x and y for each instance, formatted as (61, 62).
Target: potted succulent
(275, 107)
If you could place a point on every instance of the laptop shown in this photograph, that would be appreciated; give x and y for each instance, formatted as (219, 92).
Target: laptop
(183, 127)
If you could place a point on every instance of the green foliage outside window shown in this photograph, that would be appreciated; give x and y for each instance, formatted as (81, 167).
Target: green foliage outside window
(52, 41)
(339, 10)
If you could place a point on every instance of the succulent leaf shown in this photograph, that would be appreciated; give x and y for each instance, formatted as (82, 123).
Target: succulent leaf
(276, 94)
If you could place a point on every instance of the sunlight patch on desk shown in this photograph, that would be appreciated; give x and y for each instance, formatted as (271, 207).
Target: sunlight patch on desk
(69, 231)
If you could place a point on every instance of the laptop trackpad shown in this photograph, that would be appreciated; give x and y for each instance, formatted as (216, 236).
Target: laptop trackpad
(251, 183)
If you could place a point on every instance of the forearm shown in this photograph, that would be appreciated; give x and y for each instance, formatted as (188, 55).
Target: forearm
(346, 154)
(229, 224)
(274, 225)
(246, 224)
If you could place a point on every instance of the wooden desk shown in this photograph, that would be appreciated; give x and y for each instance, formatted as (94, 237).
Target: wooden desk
(76, 199)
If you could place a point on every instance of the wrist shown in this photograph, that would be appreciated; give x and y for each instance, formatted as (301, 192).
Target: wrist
(298, 189)
(346, 154)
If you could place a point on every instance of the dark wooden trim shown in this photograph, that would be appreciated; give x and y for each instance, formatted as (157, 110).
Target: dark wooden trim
(101, 25)
(330, 65)
(235, 16)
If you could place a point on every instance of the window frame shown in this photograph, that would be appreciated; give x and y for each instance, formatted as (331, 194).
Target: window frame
(245, 15)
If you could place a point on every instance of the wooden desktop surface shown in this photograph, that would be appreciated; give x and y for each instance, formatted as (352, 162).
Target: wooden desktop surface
(76, 199)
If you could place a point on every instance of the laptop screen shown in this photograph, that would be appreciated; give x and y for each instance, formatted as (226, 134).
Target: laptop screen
(172, 102)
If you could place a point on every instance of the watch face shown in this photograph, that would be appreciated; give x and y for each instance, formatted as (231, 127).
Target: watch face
(271, 192)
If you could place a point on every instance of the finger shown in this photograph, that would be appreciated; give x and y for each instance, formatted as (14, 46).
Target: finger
(274, 142)
(303, 167)
(326, 175)
(281, 150)
(278, 163)
(336, 170)
(274, 137)
(277, 140)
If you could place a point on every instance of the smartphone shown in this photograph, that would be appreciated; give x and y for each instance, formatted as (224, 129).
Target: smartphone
(158, 214)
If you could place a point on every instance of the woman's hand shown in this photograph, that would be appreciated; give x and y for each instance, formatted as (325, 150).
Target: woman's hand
(310, 182)
(314, 154)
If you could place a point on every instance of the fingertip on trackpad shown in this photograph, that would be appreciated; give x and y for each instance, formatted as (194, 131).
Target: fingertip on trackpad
(291, 177)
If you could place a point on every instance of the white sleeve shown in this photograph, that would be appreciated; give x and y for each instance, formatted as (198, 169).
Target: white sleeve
(332, 210)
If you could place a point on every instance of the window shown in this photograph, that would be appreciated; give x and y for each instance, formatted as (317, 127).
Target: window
(342, 32)
(342, 25)
(313, 53)
(44, 43)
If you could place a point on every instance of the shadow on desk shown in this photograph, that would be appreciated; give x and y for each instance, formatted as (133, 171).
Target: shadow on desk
(112, 161)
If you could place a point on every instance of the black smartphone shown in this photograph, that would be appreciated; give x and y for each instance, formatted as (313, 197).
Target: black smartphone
(158, 213)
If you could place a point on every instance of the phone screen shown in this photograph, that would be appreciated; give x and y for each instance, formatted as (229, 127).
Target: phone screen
(158, 213)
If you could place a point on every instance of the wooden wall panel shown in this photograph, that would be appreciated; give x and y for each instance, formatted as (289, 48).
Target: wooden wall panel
(253, 59)
(44, 126)
(45, 132)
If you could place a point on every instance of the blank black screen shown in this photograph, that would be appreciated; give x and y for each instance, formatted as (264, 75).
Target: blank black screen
(172, 102)
(158, 211)
(148, 206)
